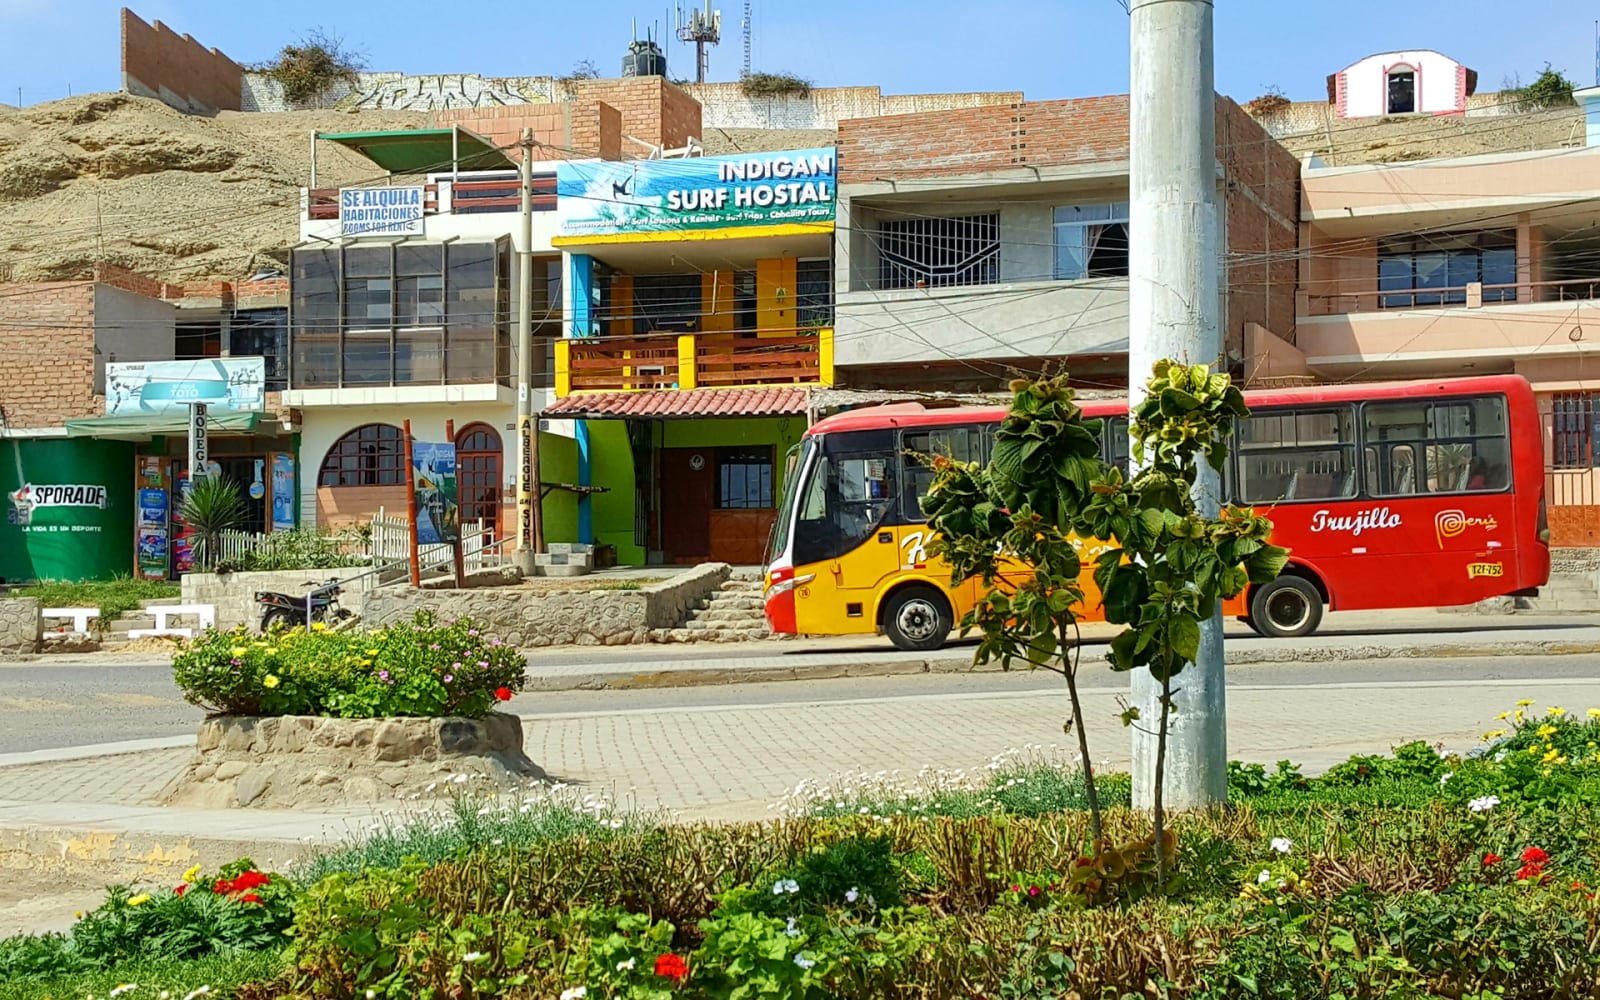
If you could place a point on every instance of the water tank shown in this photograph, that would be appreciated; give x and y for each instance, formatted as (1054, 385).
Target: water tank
(644, 59)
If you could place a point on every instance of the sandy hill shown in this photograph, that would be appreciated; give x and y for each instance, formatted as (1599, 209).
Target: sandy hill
(1398, 140)
(133, 182)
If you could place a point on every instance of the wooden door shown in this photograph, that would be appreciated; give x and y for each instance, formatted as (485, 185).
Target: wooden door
(687, 495)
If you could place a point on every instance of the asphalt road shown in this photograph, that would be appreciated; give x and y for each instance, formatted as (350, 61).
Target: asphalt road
(46, 706)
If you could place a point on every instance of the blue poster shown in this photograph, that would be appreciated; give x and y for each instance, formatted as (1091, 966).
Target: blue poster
(282, 491)
(170, 386)
(434, 466)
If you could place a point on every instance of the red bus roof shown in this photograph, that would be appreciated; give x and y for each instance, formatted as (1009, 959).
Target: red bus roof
(923, 415)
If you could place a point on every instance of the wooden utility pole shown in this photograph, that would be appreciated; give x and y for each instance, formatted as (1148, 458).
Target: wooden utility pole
(455, 546)
(411, 509)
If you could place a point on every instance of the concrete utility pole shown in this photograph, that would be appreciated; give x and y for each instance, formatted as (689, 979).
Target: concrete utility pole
(529, 507)
(1173, 312)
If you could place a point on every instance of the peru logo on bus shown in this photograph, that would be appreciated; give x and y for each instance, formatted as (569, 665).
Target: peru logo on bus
(1454, 523)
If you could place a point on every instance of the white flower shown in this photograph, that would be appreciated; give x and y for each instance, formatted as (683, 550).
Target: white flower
(1484, 804)
(473, 956)
(202, 991)
(784, 885)
(1264, 877)
(804, 962)
(431, 786)
(862, 810)
(460, 779)
(576, 993)
(625, 966)
(616, 824)
(1283, 883)
(484, 811)
(124, 988)
(1501, 756)
(1283, 845)
(1446, 777)
(372, 995)
(852, 895)
(791, 930)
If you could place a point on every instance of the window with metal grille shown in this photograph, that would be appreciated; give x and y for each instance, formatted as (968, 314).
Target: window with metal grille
(1574, 423)
(370, 455)
(939, 252)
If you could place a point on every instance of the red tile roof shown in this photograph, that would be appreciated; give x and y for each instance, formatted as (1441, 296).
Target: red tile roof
(662, 403)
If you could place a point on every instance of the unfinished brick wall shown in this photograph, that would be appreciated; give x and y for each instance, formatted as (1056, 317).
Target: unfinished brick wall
(158, 62)
(1263, 210)
(47, 371)
(653, 110)
(564, 131)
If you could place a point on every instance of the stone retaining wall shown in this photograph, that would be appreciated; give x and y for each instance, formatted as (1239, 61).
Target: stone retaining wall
(285, 762)
(19, 625)
(527, 617)
(234, 594)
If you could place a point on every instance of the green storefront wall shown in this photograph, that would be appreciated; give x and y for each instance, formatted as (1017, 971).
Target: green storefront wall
(611, 466)
(69, 509)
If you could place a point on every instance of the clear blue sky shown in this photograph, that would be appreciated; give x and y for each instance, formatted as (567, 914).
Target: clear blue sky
(1045, 48)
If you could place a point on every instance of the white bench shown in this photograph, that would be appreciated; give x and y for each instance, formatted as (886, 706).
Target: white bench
(79, 617)
(206, 614)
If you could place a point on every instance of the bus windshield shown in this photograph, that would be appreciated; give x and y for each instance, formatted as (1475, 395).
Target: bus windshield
(793, 463)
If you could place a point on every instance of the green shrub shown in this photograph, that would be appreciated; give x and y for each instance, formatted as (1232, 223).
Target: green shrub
(299, 548)
(416, 668)
(225, 977)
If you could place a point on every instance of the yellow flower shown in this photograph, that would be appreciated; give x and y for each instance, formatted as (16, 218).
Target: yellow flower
(191, 874)
(1503, 716)
(1556, 710)
(319, 627)
(139, 900)
(1547, 730)
(1493, 734)
(1593, 713)
(1524, 703)
(239, 651)
(79, 914)
(271, 651)
(366, 663)
(372, 652)
(269, 681)
(1551, 756)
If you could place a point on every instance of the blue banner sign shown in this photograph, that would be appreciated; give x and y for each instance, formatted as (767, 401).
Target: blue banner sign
(604, 197)
(170, 386)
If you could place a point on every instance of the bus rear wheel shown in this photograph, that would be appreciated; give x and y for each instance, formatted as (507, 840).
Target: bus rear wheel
(918, 619)
(1286, 608)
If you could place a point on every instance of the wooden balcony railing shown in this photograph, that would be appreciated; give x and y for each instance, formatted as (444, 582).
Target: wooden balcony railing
(693, 361)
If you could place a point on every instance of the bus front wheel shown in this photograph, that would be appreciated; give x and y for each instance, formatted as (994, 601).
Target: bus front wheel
(917, 618)
(1286, 608)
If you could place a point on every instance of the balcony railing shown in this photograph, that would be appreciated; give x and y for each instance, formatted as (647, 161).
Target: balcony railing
(1471, 296)
(693, 360)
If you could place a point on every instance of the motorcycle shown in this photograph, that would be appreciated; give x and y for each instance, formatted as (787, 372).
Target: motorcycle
(290, 611)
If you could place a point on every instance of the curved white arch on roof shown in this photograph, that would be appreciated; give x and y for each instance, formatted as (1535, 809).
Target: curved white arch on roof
(1377, 85)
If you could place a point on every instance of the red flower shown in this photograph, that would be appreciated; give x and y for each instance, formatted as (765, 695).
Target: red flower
(1491, 859)
(182, 888)
(250, 897)
(1530, 871)
(1535, 856)
(673, 967)
(223, 887)
(250, 880)
(502, 694)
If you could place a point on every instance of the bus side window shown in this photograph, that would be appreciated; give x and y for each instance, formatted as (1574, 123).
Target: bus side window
(1114, 443)
(918, 448)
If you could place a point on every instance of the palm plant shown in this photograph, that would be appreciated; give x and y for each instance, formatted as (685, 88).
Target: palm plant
(212, 506)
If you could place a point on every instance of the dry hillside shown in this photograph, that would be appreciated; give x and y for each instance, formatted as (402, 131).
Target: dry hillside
(1397, 140)
(130, 181)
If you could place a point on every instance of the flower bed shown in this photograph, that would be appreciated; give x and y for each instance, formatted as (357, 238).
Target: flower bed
(1389, 877)
(415, 668)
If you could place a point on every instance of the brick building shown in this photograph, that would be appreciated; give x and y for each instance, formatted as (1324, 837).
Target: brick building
(976, 241)
(93, 395)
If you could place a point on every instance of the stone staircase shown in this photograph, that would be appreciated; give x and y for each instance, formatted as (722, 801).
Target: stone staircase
(1574, 586)
(116, 634)
(732, 614)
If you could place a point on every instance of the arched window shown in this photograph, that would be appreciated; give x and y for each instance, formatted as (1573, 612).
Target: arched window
(478, 455)
(1402, 90)
(370, 455)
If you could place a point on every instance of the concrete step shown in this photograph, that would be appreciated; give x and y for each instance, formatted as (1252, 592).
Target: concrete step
(728, 615)
(734, 604)
(122, 626)
(746, 574)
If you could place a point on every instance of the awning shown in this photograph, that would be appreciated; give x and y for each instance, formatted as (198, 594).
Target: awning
(421, 150)
(143, 426)
(657, 404)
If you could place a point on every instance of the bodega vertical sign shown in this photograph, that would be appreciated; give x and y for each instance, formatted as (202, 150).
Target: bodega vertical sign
(199, 453)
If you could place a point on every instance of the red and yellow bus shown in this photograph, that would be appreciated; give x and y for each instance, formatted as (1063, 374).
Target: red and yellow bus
(1396, 495)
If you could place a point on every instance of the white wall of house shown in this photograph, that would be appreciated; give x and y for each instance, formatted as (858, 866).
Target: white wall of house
(1440, 84)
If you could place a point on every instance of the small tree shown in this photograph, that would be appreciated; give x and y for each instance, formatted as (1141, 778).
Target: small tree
(212, 506)
(306, 70)
(1161, 566)
(583, 69)
(1551, 90)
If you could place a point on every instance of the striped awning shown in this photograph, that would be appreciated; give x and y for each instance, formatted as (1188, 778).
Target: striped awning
(664, 404)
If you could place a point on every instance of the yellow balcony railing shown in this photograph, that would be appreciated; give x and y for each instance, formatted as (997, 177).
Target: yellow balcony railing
(693, 361)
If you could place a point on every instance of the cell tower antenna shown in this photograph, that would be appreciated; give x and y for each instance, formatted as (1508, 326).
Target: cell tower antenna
(704, 29)
(745, 73)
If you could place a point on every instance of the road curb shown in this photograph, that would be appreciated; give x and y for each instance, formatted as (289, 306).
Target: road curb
(632, 680)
